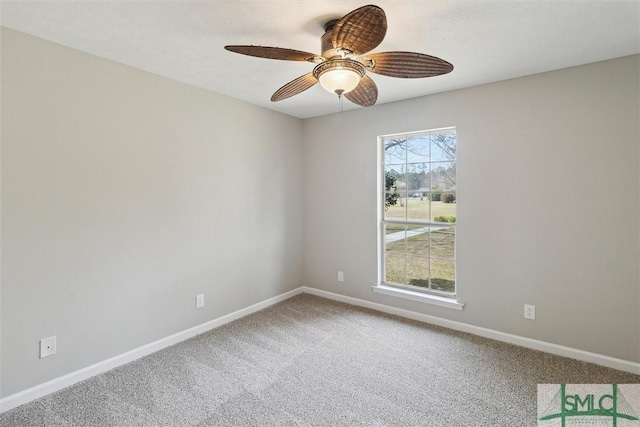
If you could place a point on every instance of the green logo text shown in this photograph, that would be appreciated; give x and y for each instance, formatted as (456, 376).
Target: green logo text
(612, 405)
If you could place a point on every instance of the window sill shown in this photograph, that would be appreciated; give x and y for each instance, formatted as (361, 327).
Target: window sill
(418, 296)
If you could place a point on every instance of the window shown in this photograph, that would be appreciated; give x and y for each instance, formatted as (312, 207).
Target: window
(418, 206)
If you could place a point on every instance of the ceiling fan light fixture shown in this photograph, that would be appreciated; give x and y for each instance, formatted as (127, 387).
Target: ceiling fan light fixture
(339, 76)
(346, 58)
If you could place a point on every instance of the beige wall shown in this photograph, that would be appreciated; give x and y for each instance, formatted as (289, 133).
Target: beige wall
(1, 127)
(124, 195)
(548, 192)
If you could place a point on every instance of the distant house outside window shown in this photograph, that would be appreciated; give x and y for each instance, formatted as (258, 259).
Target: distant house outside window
(418, 205)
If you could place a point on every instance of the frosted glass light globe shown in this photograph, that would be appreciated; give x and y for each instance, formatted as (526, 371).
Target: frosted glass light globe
(340, 80)
(339, 75)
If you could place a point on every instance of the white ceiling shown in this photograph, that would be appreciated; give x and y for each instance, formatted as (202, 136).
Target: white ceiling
(485, 40)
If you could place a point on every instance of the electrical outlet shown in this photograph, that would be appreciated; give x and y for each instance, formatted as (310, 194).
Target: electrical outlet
(47, 347)
(530, 312)
(340, 276)
(200, 301)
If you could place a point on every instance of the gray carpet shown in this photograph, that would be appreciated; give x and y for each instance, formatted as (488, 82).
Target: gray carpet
(309, 361)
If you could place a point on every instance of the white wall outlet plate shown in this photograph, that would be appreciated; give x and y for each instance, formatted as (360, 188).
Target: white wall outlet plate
(530, 312)
(47, 347)
(340, 276)
(200, 301)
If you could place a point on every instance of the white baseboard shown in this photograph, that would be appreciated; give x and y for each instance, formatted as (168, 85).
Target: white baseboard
(559, 350)
(59, 383)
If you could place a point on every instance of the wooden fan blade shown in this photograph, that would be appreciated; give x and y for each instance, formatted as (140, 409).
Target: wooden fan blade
(294, 87)
(407, 65)
(273, 53)
(365, 94)
(361, 30)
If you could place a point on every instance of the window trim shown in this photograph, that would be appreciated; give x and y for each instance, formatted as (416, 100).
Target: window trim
(443, 299)
(439, 300)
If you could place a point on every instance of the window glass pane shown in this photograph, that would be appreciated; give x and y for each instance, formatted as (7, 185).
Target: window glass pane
(417, 178)
(443, 146)
(443, 275)
(395, 238)
(394, 266)
(418, 271)
(417, 186)
(443, 187)
(443, 176)
(396, 171)
(395, 206)
(433, 196)
(444, 211)
(443, 242)
(395, 151)
(418, 240)
(418, 149)
(418, 208)
(395, 178)
(394, 228)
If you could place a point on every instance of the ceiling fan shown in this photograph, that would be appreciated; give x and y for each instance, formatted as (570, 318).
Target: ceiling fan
(344, 62)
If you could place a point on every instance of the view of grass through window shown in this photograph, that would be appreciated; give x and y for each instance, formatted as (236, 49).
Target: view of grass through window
(420, 210)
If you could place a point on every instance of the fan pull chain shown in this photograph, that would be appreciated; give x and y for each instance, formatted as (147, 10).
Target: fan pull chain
(340, 106)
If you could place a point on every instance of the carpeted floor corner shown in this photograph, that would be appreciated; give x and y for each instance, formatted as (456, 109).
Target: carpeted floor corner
(309, 361)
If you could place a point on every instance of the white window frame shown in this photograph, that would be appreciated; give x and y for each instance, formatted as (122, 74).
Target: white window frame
(440, 298)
